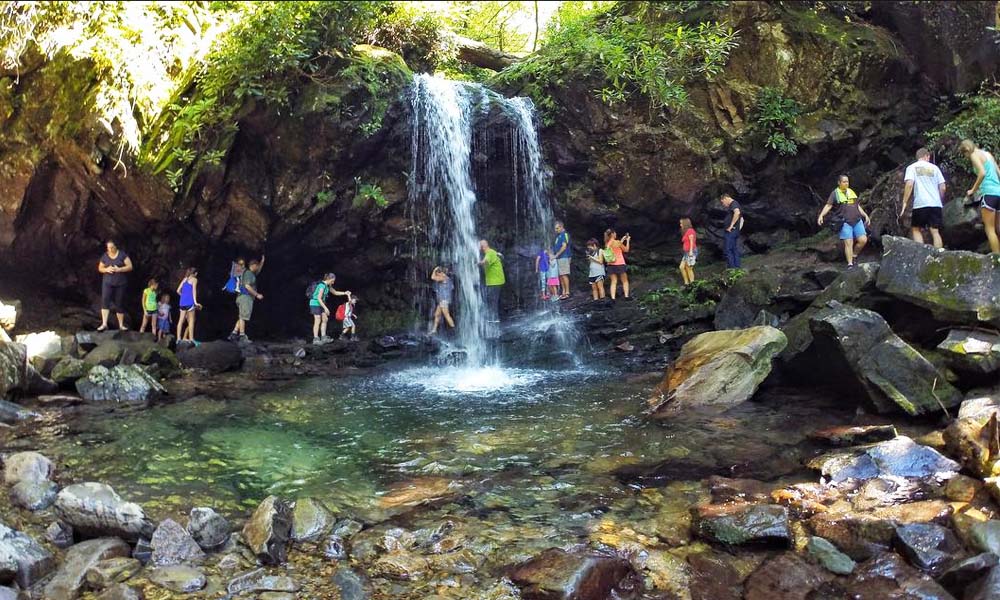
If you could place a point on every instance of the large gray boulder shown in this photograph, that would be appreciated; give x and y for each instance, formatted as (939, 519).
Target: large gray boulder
(892, 374)
(94, 509)
(971, 351)
(173, 545)
(122, 383)
(107, 354)
(15, 413)
(68, 582)
(208, 528)
(268, 531)
(718, 370)
(26, 466)
(213, 357)
(33, 495)
(22, 559)
(955, 285)
(13, 368)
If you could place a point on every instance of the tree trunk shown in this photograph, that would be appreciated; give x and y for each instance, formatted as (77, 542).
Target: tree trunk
(481, 55)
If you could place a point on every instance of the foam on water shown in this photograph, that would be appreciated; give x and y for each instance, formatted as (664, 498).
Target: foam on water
(453, 381)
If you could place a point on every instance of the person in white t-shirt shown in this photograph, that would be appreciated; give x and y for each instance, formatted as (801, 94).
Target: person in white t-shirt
(924, 181)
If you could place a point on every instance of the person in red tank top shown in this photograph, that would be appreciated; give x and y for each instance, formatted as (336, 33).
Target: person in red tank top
(689, 241)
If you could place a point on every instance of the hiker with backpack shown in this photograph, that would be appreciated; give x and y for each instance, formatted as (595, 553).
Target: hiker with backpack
(317, 293)
(850, 219)
(245, 299)
(236, 270)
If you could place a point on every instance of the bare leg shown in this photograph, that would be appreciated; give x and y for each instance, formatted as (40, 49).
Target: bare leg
(323, 323)
(565, 284)
(849, 251)
(437, 319)
(593, 291)
(142, 326)
(316, 322)
(625, 284)
(917, 234)
(447, 317)
(180, 326)
(936, 237)
(104, 318)
(683, 269)
(859, 245)
(121, 320)
(614, 285)
(600, 289)
(191, 317)
(990, 225)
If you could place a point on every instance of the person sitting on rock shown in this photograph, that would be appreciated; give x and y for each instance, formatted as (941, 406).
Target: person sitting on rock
(987, 185)
(925, 182)
(188, 291)
(689, 243)
(114, 265)
(163, 317)
(318, 308)
(851, 215)
(149, 307)
(245, 299)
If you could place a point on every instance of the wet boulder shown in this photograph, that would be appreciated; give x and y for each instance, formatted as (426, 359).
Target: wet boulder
(15, 413)
(862, 535)
(179, 578)
(954, 285)
(987, 588)
(972, 352)
(26, 466)
(173, 545)
(854, 435)
(94, 509)
(891, 372)
(888, 576)
(68, 370)
(827, 555)
(928, 546)
(122, 383)
(69, 580)
(22, 559)
(107, 354)
(208, 528)
(310, 520)
(739, 524)
(268, 531)
(556, 573)
(972, 437)
(786, 576)
(957, 577)
(213, 357)
(718, 370)
(899, 457)
(259, 581)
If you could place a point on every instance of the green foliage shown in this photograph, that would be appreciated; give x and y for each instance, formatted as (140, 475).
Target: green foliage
(419, 37)
(773, 121)
(272, 48)
(324, 197)
(654, 55)
(366, 192)
(701, 293)
(978, 120)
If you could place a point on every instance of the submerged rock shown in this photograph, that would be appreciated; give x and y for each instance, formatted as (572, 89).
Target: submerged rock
(954, 285)
(268, 530)
(738, 524)
(786, 577)
(173, 545)
(179, 578)
(351, 585)
(718, 370)
(259, 581)
(22, 559)
(71, 576)
(94, 509)
(120, 592)
(556, 573)
(892, 373)
(310, 520)
(422, 490)
(110, 571)
(208, 528)
(122, 383)
(854, 435)
(887, 576)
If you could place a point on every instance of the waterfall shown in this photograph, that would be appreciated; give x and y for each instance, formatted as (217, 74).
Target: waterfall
(443, 199)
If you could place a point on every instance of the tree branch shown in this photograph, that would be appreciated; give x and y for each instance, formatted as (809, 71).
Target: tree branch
(480, 55)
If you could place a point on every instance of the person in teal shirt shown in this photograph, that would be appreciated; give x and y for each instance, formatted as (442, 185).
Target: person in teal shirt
(492, 264)
(318, 308)
(987, 186)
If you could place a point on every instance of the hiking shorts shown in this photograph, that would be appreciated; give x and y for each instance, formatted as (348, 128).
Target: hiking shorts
(245, 304)
(315, 310)
(563, 266)
(990, 203)
(616, 269)
(853, 232)
(929, 216)
(595, 279)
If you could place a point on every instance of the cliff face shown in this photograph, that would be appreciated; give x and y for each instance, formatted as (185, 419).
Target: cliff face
(296, 183)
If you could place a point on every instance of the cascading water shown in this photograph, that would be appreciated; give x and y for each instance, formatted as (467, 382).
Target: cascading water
(443, 198)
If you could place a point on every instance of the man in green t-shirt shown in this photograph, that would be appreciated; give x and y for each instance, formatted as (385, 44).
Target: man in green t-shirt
(492, 265)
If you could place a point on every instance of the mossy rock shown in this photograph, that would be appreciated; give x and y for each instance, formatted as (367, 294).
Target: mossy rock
(69, 369)
(153, 354)
(107, 354)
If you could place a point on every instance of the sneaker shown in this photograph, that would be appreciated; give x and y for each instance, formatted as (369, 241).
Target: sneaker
(244, 339)
(233, 337)
(326, 339)
(850, 265)
(317, 341)
(354, 338)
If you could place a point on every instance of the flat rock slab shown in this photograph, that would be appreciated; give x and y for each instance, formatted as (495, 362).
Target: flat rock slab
(954, 285)
(259, 581)
(556, 573)
(854, 435)
(95, 509)
(718, 370)
(179, 578)
(971, 351)
(739, 524)
(419, 491)
(71, 576)
(899, 457)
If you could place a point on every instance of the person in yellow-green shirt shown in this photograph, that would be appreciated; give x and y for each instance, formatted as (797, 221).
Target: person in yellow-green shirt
(492, 264)
(149, 306)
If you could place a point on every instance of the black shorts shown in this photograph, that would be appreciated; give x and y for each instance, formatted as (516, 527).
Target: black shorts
(113, 297)
(596, 279)
(315, 310)
(616, 269)
(991, 203)
(930, 216)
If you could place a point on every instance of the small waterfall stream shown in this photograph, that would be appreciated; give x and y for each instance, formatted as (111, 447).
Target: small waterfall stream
(445, 203)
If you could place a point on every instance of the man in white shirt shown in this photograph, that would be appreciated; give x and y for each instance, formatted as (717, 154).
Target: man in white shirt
(925, 182)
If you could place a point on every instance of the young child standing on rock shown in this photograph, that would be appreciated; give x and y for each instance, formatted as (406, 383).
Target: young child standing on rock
(349, 317)
(149, 307)
(595, 258)
(552, 276)
(163, 316)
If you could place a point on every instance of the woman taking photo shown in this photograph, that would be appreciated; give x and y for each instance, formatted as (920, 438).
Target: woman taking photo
(616, 268)
(187, 289)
